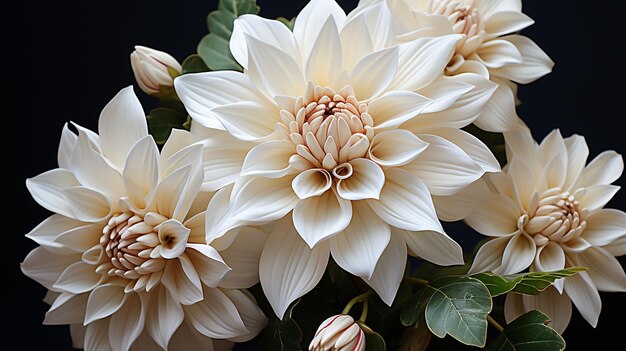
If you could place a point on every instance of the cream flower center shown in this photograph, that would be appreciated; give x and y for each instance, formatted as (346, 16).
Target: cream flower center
(329, 129)
(137, 247)
(554, 216)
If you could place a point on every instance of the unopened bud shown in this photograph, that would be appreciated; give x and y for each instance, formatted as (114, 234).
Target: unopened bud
(153, 69)
(338, 333)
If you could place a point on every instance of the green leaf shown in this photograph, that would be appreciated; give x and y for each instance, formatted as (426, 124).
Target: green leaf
(283, 335)
(288, 22)
(161, 120)
(215, 52)
(524, 283)
(374, 342)
(528, 332)
(194, 64)
(454, 305)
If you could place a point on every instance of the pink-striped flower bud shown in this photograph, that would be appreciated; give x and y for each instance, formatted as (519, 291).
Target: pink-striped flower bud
(153, 69)
(338, 333)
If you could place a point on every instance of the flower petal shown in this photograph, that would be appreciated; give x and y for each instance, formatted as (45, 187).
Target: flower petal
(289, 268)
(585, 296)
(489, 255)
(248, 120)
(251, 315)
(396, 107)
(208, 263)
(577, 153)
(596, 196)
(103, 301)
(458, 206)
(557, 306)
(270, 31)
(122, 123)
(68, 308)
(604, 270)
(422, 61)
(604, 169)
(77, 278)
(66, 147)
(182, 280)
(550, 257)
(535, 65)
(472, 146)
(321, 217)
(77, 332)
(359, 247)
(444, 167)
(366, 181)
(324, 62)
(141, 172)
(518, 254)
(269, 159)
(87, 205)
(389, 270)
(434, 247)
(97, 336)
(395, 147)
(47, 232)
(47, 189)
(497, 53)
(373, 73)
(499, 114)
(380, 26)
(127, 324)
(164, 316)
(216, 316)
(242, 256)
(312, 182)
(496, 216)
(356, 43)
(46, 267)
(259, 199)
(310, 21)
(505, 22)
(617, 247)
(605, 226)
(444, 92)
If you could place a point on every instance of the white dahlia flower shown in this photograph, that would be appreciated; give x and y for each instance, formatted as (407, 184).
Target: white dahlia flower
(125, 252)
(345, 134)
(487, 46)
(545, 212)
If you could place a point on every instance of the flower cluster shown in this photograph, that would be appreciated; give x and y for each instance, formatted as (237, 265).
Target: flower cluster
(325, 148)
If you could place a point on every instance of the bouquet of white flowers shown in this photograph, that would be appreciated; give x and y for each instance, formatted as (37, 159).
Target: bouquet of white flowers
(288, 191)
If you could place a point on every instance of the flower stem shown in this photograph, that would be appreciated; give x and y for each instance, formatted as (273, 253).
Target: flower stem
(355, 300)
(364, 313)
(416, 280)
(495, 324)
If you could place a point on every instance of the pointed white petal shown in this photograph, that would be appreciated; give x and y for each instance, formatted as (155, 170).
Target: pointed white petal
(405, 202)
(324, 63)
(103, 301)
(514, 307)
(182, 280)
(604, 169)
(358, 248)
(472, 146)
(366, 181)
(496, 216)
(396, 107)
(77, 332)
(175, 193)
(321, 217)
(422, 61)
(260, 200)
(585, 296)
(605, 226)
(505, 22)
(497, 53)
(219, 220)
(444, 92)
(141, 172)
(310, 20)
(312, 182)
(127, 324)
(489, 255)
(434, 247)
(242, 256)
(604, 270)
(87, 205)
(208, 263)
(289, 268)
(389, 271)
(272, 32)
(216, 316)
(248, 120)
(122, 123)
(46, 267)
(164, 316)
(444, 167)
(596, 196)
(67, 309)
(499, 114)
(380, 26)
(47, 189)
(269, 159)
(577, 153)
(617, 247)
(47, 234)
(250, 313)
(97, 336)
(518, 254)
(66, 147)
(395, 147)
(550, 258)
(489, 8)
(77, 278)
(557, 306)
(145, 342)
(458, 206)
(356, 42)
(535, 65)
(373, 73)
(188, 338)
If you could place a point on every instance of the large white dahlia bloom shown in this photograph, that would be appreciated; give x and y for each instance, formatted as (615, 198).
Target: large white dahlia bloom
(124, 256)
(345, 133)
(545, 212)
(487, 46)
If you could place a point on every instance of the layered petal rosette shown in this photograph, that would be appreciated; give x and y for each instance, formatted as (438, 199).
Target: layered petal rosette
(545, 212)
(489, 45)
(343, 137)
(124, 255)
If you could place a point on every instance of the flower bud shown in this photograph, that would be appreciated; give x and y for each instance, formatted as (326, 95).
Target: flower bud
(153, 69)
(338, 333)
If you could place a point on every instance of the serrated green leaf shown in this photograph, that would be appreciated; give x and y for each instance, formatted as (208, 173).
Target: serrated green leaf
(528, 332)
(454, 305)
(215, 52)
(194, 64)
(162, 120)
(524, 283)
(374, 342)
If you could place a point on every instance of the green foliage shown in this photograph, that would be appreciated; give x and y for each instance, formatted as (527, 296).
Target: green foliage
(528, 332)
(524, 283)
(454, 305)
(214, 47)
(374, 342)
(288, 22)
(194, 64)
(162, 119)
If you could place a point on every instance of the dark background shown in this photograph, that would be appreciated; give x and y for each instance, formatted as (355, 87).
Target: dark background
(66, 59)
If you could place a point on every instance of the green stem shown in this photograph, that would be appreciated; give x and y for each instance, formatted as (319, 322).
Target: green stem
(416, 280)
(355, 300)
(495, 324)
(364, 313)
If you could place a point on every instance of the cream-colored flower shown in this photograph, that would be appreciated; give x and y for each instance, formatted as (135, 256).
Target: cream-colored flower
(344, 136)
(125, 252)
(153, 69)
(338, 333)
(487, 47)
(545, 212)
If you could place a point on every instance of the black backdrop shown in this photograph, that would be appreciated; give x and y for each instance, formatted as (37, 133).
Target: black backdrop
(66, 59)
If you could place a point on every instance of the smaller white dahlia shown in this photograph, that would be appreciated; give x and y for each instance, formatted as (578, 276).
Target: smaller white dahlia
(125, 255)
